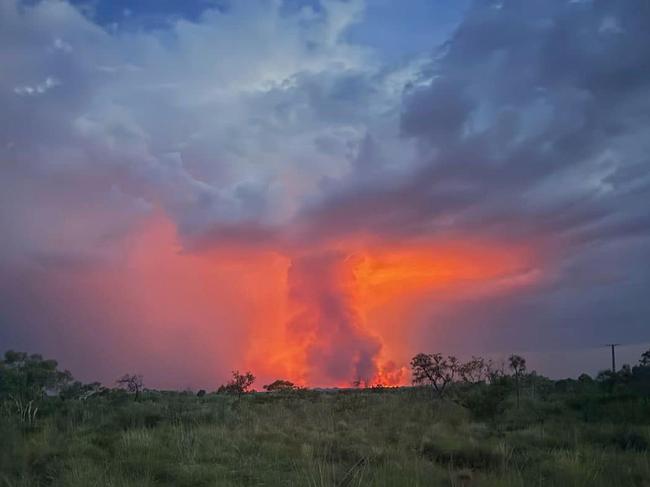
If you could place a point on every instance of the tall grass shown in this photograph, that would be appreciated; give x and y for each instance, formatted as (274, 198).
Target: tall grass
(388, 438)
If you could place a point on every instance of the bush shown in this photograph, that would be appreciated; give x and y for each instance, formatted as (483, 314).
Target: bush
(487, 402)
(470, 456)
(630, 440)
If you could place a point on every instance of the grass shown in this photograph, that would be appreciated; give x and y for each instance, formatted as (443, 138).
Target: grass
(360, 438)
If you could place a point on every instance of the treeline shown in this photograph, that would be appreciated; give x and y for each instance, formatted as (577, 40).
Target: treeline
(483, 386)
(26, 379)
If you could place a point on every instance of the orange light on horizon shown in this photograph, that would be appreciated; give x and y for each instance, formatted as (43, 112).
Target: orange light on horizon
(317, 317)
(384, 278)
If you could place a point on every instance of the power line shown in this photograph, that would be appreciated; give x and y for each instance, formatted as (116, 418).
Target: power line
(613, 347)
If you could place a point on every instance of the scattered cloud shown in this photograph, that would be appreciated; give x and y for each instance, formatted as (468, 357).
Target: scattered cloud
(37, 89)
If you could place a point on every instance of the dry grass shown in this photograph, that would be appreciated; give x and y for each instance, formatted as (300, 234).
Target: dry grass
(359, 439)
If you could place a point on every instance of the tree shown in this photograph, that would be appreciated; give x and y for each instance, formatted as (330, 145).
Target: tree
(517, 364)
(625, 374)
(133, 383)
(280, 386)
(239, 384)
(487, 401)
(645, 359)
(585, 378)
(607, 380)
(435, 370)
(495, 371)
(640, 380)
(26, 377)
(475, 371)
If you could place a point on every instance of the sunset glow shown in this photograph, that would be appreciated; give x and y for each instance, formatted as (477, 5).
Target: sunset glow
(318, 190)
(318, 317)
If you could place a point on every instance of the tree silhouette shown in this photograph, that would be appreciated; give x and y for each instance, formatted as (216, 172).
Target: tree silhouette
(517, 364)
(133, 383)
(645, 359)
(28, 377)
(435, 370)
(280, 386)
(239, 384)
(475, 371)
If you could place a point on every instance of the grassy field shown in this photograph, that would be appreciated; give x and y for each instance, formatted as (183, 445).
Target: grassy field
(385, 437)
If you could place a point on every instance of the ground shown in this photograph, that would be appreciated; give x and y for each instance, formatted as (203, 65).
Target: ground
(389, 437)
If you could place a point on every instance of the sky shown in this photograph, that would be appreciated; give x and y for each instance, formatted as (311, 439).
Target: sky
(317, 190)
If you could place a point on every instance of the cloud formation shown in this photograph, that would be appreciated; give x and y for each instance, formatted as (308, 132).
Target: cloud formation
(256, 136)
(326, 322)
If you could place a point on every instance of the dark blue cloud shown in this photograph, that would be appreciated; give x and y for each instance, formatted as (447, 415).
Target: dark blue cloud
(532, 123)
(529, 126)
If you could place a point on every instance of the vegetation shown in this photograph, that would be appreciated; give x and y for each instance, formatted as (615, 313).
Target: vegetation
(585, 432)
(518, 366)
(239, 384)
(132, 383)
(280, 386)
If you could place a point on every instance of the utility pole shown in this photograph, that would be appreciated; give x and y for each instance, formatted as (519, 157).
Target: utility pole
(613, 347)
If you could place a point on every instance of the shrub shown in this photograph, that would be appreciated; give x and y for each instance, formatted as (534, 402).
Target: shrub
(630, 440)
(471, 456)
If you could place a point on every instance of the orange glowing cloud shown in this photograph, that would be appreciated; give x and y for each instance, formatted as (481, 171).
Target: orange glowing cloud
(319, 317)
(330, 334)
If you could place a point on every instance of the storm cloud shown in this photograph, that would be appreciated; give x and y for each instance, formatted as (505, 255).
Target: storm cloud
(265, 135)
